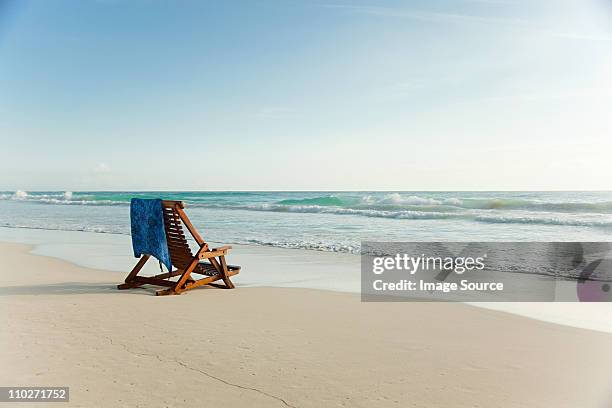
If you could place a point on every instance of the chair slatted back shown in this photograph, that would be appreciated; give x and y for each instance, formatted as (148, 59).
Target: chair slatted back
(180, 252)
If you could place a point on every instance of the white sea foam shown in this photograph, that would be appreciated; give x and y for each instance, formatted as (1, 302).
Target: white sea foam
(492, 210)
(396, 198)
(20, 195)
(583, 221)
(65, 198)
(316, 246)
(74, 228)
(587, 220)
(388, 202)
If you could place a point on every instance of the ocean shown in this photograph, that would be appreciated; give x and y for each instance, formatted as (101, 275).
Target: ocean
(332, 221)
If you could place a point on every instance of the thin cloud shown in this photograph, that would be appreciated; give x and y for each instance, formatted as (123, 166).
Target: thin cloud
(578, 36)
(437, 17)
(274, 112)
(427, 15)
(590, 94)
(413, 86)
(493, 2)
(101, 168)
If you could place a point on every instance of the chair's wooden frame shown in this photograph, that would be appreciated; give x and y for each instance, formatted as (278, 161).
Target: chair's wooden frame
(207, 262)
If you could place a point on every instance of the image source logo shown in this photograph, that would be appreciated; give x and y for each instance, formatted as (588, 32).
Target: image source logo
(486, 271)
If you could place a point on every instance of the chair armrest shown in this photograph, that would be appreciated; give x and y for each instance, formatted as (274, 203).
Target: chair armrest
(213, 253)
(223, 248)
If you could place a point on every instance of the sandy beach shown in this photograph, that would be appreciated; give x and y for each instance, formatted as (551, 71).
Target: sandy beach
(360, 204)
(66, 325)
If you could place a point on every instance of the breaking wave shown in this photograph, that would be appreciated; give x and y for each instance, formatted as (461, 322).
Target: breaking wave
(330, 221)
(495, 208)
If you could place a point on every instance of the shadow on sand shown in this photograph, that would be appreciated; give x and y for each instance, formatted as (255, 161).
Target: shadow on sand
(71, 288)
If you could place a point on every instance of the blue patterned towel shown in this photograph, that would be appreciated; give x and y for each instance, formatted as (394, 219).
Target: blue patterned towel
(148, 233)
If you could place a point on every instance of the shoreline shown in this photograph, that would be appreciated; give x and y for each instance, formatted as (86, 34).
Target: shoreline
(68, 325)
(278, 267)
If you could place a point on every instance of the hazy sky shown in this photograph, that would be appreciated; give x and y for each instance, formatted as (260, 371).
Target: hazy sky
(273, 95)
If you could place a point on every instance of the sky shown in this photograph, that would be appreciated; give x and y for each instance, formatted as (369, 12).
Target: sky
(305, 95)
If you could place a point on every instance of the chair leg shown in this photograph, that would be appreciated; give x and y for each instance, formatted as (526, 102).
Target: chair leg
(168, 291)
(185, 277)
(225, 273)
(221, 267)
(185, 282)
(128, 280)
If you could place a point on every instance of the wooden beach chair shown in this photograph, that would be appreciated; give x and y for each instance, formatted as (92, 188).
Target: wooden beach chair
(206, 262)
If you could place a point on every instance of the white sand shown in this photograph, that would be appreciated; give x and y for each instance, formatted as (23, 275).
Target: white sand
(277, 267)
(267, 347)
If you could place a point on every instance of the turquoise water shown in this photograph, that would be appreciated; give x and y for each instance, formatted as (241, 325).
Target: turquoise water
(333, 221)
